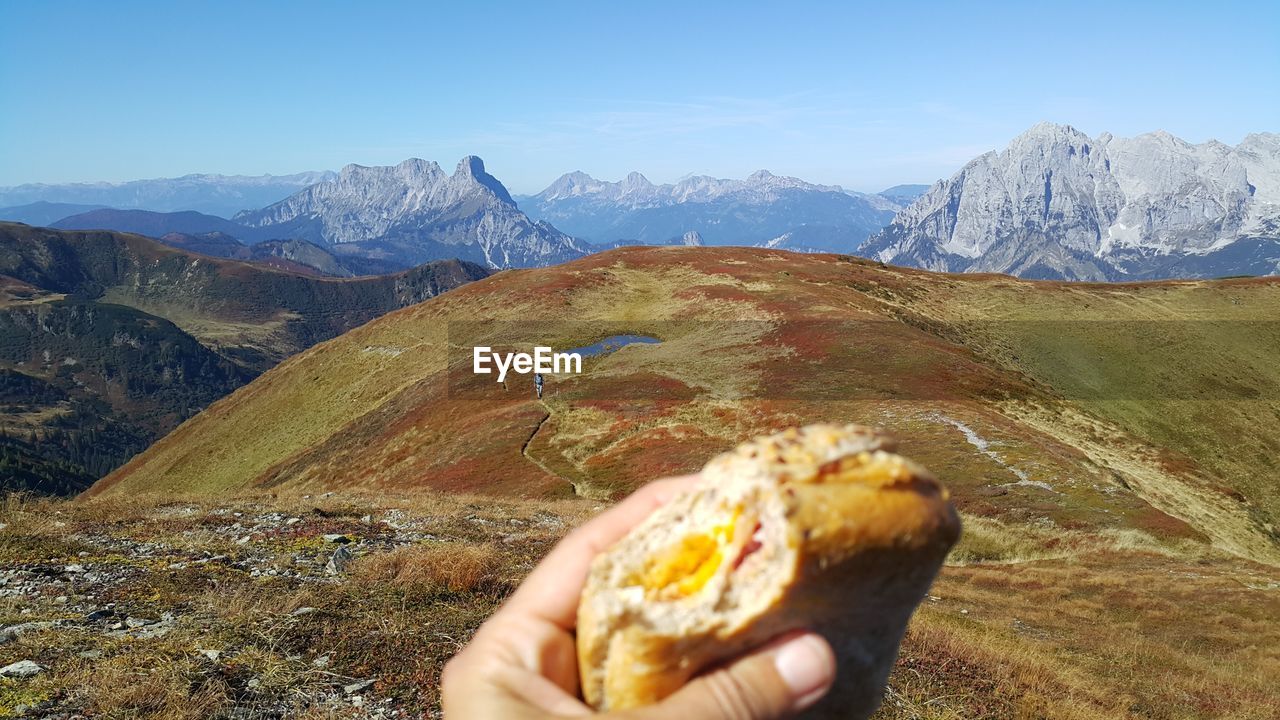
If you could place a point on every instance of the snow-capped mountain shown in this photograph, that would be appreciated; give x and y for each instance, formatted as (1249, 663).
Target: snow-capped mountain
(761, 208)
(1057, 203)
(415, 212)
(221, 195)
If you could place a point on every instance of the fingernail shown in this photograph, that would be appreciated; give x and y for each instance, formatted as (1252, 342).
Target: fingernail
(807, 666)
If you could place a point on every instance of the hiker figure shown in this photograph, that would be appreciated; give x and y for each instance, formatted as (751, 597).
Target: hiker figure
(537, 383)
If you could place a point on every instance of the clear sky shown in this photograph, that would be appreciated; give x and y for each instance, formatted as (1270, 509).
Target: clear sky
(864, 95)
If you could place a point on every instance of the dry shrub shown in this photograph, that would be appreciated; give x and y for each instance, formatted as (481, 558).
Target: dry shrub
(430, 569)
(112, 688)
(29, 514)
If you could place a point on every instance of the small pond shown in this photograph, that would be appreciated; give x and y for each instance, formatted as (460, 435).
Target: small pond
(612, 343)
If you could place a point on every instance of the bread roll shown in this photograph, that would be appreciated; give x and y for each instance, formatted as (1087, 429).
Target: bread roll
(821, 528)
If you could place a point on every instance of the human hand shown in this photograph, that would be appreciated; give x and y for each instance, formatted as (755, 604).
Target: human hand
(522, 662)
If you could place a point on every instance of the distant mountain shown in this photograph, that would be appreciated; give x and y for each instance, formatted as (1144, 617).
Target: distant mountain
(214, 243)
(297, 256)
(155, 224)
(211, 235)
(761, 209)
(690, 239)
(903, 195)
(222, 195)
(1058, 204)
(817, 238)
(43, 213)
(304, 257)
(414, 212)
(112, 339)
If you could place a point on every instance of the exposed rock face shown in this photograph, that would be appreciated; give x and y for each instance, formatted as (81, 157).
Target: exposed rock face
(415, 212)
(1056, 203)
(761, 208)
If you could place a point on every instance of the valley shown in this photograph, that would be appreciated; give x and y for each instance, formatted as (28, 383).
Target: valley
(114, 339)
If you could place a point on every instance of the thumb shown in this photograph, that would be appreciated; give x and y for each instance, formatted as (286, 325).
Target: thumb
(778, 680)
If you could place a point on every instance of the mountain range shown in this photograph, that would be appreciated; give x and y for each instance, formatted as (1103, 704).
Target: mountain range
(156, 224)
(109, 340)
(44, 214)
(1056, 203)
(414, 212)
(763, 209)
(222, 195)
(219, 237)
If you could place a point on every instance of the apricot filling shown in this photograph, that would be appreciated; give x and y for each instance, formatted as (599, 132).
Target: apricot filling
(685, 569)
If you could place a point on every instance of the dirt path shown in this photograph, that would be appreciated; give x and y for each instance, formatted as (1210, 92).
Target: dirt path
(524, 449)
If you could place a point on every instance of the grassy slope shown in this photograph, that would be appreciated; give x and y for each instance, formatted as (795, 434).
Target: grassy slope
(1186, 371)
(753, 340)
(1117, 559)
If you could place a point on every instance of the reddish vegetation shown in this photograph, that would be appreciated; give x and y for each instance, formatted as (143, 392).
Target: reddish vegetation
(620, 393)
(675, 450)
(825, 338)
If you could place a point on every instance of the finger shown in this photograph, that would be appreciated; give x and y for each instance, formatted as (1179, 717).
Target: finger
(533, 690)
(551, 591)
(782, 678)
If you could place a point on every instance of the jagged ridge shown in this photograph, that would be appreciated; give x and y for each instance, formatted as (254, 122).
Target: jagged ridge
(1057, 203)
(414, 212)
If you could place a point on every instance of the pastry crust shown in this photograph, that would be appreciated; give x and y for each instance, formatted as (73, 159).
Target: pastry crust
(821, 528)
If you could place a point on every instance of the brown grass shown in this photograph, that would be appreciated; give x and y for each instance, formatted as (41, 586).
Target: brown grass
(169, 688)
(1113, 634)
(431, 569)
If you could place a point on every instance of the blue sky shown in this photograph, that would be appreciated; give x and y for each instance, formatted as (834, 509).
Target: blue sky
(862, 95)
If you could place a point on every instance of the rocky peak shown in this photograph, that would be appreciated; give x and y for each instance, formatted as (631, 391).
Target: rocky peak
(1050, 140)
(472, 168)
(572, 184)
(569, 182)
(419, 171)
(414, 172)
(1047, 129)
(1057, 203)
(1260, 140)
(416, 212)
(470, 165)
(351, 170)
(635, 181)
